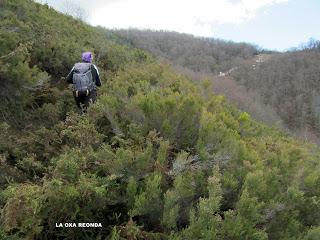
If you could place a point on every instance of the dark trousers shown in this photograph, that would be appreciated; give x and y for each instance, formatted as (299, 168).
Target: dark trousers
(84, 101)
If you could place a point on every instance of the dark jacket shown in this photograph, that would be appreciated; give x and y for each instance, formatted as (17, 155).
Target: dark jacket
(95, 75)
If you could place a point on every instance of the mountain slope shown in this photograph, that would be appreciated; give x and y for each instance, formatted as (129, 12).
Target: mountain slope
(282, 84)
(207, 59)
(289, 83)
(157, 157)
(205, 55)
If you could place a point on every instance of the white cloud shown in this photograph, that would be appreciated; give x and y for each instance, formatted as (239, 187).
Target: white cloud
(197, 17)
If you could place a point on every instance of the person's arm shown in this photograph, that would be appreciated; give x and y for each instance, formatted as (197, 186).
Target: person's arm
(70, 76)
(96, 75)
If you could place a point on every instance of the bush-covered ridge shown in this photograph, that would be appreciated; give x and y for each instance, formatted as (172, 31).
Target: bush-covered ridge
(155, 158)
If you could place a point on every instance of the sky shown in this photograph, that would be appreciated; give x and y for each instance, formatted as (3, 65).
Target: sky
(270, 24)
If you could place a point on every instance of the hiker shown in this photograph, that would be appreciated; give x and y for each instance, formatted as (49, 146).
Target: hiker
(85, 79)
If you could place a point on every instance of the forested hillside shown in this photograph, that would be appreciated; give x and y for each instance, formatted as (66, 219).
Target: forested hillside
(289, 82)
(205, 55)
(156, 157)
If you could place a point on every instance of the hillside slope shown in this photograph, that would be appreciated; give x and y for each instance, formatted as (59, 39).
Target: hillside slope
(157, 157)
(207, 59)
(282, 84)
(289, 82)
(204, 55)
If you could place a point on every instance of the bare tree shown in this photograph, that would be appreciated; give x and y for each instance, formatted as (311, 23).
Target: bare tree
(74, 10)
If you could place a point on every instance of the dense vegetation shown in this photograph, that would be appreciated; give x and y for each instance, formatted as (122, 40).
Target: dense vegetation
(156, 157)
(206, 55)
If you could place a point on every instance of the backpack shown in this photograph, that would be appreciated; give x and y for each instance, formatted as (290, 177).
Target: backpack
(82, 79)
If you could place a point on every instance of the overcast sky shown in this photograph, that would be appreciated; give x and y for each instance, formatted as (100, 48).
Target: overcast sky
(272, 24)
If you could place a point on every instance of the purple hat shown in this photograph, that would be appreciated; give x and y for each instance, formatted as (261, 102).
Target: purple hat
(87, 57)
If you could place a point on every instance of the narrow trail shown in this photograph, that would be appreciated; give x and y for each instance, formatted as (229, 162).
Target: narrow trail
(254, 62)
